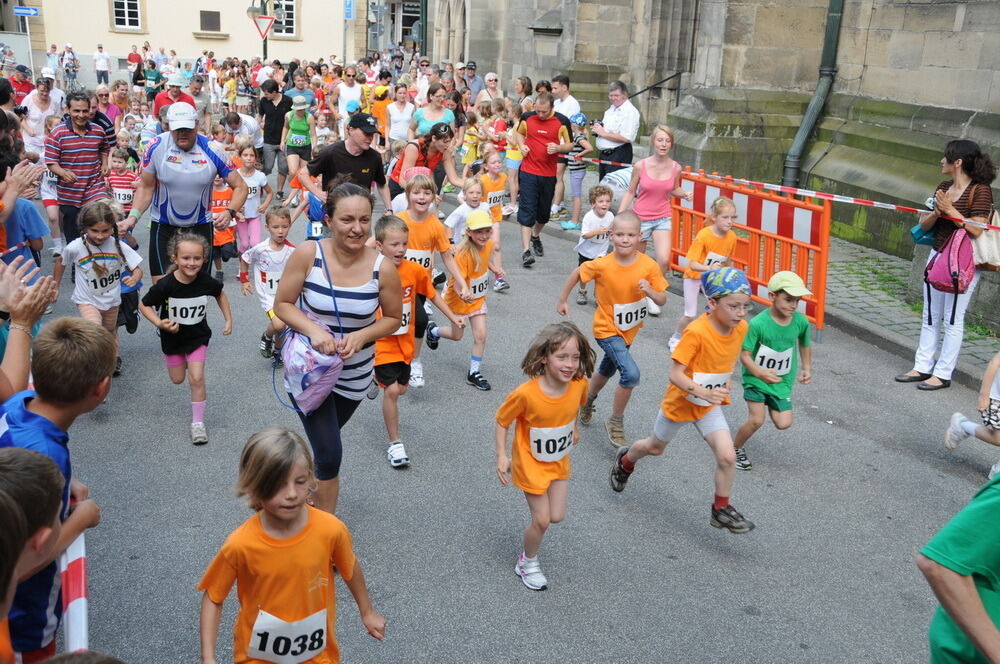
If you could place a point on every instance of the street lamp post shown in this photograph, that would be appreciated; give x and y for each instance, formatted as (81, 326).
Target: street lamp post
(253, 11)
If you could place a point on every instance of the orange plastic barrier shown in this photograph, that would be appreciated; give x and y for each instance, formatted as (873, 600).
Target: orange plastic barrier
(777, 232)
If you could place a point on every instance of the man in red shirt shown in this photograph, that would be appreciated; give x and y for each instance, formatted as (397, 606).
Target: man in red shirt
(20, 80)
(172, 94)
(542, 137)
(134, 59)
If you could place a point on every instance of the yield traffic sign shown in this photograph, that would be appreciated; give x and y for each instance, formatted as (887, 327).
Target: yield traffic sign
(263, 24)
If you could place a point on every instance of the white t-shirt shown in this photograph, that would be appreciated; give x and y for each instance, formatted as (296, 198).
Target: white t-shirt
(995, 389)
(568, 106)
(596, 246)
(399, 121)
(102, 62)
(102, 291)
(264, 73)
(266, 266)
(255, 185)
(399, 203)
(456, 220)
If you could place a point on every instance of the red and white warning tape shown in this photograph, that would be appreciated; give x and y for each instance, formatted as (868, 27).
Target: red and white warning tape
(809, 193)
(73, 570)
(14, 248)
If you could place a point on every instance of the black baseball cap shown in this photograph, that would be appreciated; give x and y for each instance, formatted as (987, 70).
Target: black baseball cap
(364, 122)
(471, 64)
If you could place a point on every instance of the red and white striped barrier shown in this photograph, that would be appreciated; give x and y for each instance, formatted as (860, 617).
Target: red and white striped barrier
(14, 248)
(835, 198)
(73, 571)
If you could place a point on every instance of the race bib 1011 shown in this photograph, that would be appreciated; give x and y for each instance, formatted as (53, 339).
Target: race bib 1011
(768, 358)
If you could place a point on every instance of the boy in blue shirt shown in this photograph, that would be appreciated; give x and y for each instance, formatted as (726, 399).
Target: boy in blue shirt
(72, 363)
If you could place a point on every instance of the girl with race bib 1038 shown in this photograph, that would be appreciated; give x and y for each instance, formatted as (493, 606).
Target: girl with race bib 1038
(102, 264)
(287, 611)
(177, 305)
(544, 413)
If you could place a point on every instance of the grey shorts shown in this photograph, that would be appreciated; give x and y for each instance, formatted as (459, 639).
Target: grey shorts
(712, 421)
(272, 154)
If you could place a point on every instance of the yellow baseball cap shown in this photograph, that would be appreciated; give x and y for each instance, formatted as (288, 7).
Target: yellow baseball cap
(478, 219)
(788, 281)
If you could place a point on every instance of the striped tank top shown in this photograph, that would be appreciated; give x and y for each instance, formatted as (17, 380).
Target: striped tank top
(357, 306)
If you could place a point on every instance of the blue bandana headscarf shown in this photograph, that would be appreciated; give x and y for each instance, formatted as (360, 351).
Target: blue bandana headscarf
(724, 281)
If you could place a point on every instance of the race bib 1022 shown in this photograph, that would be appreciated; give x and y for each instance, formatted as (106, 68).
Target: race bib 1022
(550, 444)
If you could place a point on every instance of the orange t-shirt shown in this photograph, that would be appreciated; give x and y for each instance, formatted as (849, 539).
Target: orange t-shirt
(426, 237)
(380, 111)
(708, 358)
(477, 280)
(398, 347)
(621, 306)
(277, 599)
(710, 249)
(543, 435)
(6, 649)
(493, 191)
(220, 201)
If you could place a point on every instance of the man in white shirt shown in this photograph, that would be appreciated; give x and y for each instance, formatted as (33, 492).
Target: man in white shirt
(617, 130)
(239, 124)
(566, 106)
(102, 65)
(58, 96)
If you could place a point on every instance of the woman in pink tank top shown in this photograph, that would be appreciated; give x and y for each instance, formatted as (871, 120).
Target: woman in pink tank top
(655, 180)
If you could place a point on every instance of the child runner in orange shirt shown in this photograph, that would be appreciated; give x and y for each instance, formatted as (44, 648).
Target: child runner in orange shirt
(394, 353)
(287, 612)
(494, 182)
(700, 381)
(544, 411)
(468, 297)
(223, 241)
(712, 248)
(624, 279)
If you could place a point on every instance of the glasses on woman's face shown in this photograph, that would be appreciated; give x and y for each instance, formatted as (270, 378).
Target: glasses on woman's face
(103, 94)
(348, 75)
(491, 80)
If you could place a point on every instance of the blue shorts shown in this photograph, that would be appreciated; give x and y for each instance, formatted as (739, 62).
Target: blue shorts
(647, 227)
(512, 164)
(534, 199)
(617, 358)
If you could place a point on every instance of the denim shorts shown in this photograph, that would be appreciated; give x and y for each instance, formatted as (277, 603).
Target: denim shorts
(617, 358)
(647, 227)
(576, 182)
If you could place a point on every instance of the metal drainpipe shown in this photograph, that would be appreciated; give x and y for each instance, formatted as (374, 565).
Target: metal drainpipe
(827, 72)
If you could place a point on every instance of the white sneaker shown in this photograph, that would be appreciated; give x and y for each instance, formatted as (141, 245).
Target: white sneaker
(373, 390)
(397, 455)
(672, 343)
(654, 309)
(416, 375)
(955, 433)
(198, 434)
(994, 470)
(508, 210)
(531, 573)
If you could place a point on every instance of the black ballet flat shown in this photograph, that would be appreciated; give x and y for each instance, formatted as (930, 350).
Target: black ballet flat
(926, 387)
(906, 378)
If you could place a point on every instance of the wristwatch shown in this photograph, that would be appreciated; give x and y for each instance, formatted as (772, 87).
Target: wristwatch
(232, 213)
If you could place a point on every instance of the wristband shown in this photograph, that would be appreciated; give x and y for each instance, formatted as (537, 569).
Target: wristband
(232, 213)
(24, 329)
(135, 213)
(244, 277)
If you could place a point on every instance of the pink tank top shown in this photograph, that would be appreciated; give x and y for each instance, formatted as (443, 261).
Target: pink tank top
(652, 200)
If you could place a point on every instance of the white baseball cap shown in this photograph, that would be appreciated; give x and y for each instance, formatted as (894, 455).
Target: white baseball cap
(176, 80)
(48, 72)
(181, 115)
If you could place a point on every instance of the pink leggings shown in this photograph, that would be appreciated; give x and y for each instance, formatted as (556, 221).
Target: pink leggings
(247, 233)
(197, 355)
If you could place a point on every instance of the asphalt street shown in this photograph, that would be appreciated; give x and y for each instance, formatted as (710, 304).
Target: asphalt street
(842, 502)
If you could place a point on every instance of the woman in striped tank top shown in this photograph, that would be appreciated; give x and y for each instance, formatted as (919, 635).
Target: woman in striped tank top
(363, 284)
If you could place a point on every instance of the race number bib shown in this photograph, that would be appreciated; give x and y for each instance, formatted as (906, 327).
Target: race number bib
(101, 285)
(274, 640)
(709, 381)
(269, 282)
(420, 257)
(404, 326)
(123, 196)
(316, 229)
(629, 315)
(187, 310)
(768, 358)
(552, 443)
(495, 198)
(714, 260)
(298, 140)
(252, 190)
(478, 285)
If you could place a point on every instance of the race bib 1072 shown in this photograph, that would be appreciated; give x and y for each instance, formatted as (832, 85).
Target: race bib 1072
(187, 310)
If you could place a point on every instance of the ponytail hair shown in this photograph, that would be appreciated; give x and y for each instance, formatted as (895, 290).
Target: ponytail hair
(93, 213)
(975, 163)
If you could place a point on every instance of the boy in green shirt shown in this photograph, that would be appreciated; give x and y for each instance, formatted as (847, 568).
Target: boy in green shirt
(769, 359)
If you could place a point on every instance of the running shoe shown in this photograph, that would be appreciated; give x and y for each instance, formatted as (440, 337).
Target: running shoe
(619, 476)
(372, 392)
(280, 195)
(508, 210)
(616, 432)
(430, 335)
(531, 573)
(994, 471)
(728, 517)
(220, 275)
(672, 343)
(581, 297)
(118, 367)
(266, 346)
(587, 411)
(527, 260)
(742, 460)
(955, 433)
(500, 285)
(569, 226)
(536, 246)
(477, 381)
(439, 278)
(652, 307)
(417, 375)
(198, 434)
(449, 189)
(397, 455)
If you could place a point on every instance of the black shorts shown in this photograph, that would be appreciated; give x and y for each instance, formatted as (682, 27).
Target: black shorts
(225, 252)
(159, 245)
(300, 151)
(534, 199)
(581, 259)
(392, 372)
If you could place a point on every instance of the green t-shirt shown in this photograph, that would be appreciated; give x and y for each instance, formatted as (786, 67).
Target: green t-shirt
(773, 346)
(153, 76)
(970, 546)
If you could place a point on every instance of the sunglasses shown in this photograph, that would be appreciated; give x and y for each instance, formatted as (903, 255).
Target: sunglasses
(491, 80)
(348, 75)
(441, 130)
